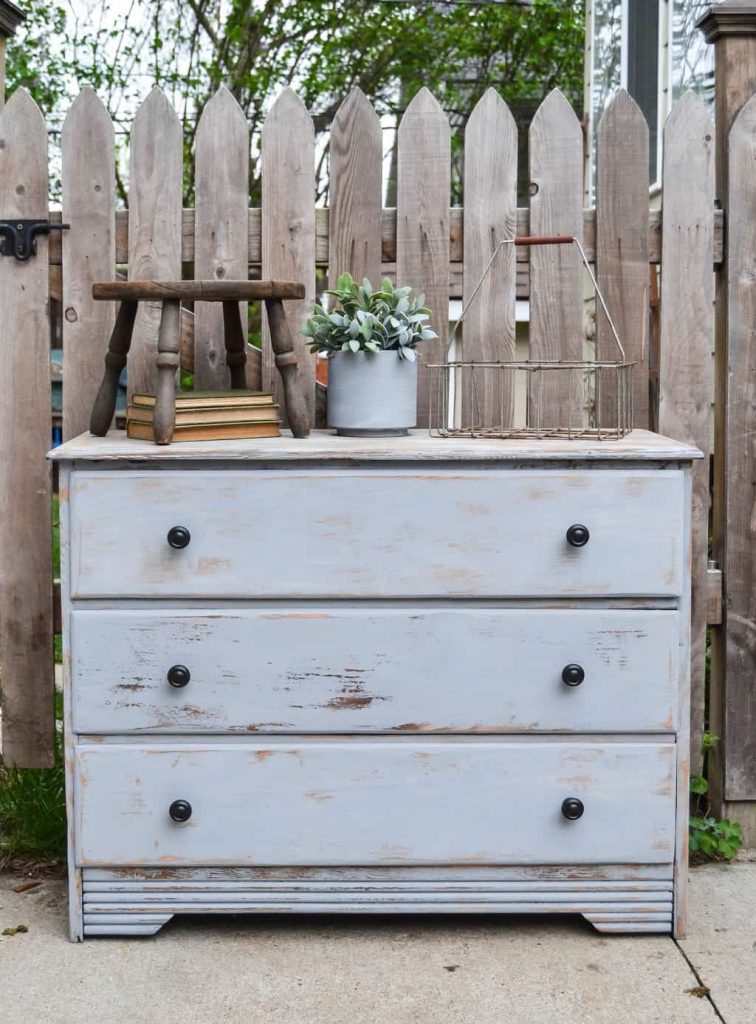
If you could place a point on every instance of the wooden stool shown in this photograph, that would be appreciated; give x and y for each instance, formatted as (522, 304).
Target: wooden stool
(171, 293)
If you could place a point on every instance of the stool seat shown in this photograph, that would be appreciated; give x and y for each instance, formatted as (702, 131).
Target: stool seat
(171, 294)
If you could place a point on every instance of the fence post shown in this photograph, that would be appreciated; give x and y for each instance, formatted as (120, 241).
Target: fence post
(731, 27)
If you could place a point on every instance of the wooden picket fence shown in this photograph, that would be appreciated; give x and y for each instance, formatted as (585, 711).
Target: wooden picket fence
(422, 242)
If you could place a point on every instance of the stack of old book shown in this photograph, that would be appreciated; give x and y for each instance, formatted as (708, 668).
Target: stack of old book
(209, 416)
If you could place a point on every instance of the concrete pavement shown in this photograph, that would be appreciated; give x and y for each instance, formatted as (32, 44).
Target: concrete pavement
(505, 970)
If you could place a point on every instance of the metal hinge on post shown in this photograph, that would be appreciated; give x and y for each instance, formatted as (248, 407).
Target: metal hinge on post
(19, 237)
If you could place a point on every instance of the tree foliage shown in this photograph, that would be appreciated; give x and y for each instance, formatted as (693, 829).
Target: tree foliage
(389, 48)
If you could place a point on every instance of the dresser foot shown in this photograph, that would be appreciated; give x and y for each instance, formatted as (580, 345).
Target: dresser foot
(125, 924)
(627, 921)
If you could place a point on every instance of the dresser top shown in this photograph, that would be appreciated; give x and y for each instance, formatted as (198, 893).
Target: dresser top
(325, 445)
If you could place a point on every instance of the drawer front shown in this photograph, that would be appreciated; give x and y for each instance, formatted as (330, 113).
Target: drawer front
(333, 669)
(375, 802)
(376, 533)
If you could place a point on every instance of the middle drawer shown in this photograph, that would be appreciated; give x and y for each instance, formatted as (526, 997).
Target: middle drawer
(346, 669)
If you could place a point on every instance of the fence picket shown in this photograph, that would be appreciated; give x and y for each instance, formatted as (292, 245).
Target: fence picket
(26, 644)
(288, 227)
(622, 247)
(355, 191)
(556, 289)
(88, 180)
(222, 199)
(155, 200)
(686, 369)
(490, 214)
(422, 222)
(739, 499)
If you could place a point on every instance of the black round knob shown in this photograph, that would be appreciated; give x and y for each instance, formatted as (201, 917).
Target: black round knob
(179, 537)
(573, 675)
(578, 535)
(572, 808)
(180, 810)
(178, 676)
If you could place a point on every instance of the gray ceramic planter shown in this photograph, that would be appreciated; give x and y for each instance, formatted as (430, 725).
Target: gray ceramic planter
(371, 394)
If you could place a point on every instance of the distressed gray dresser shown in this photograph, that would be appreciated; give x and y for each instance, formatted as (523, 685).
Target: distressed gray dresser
(350, 675)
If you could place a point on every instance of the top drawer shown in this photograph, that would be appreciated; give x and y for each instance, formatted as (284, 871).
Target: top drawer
(376, 533)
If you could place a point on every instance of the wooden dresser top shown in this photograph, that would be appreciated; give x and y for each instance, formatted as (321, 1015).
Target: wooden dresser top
(639, 445)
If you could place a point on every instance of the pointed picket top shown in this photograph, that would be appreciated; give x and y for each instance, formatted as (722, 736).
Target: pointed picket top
(555, 109)
(356, 190)
(21, 105)
(423, 106)
(689, 113)
(491, 107)
(222, 106)
(288, 104)
(621, 114)
(23, 157)
(155, 114)
(88, 116)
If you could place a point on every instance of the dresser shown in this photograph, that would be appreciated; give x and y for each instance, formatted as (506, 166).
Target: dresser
(375, 676)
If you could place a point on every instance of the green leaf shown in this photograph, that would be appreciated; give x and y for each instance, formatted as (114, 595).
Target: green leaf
(698, 785)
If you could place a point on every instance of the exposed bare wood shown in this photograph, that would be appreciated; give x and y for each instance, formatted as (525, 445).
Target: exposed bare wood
(422, 224)
(221, 249)
(288, 227)
(25, 498)
(88, 252)
(556, 301)
(686, 368)
(206, 291)
(490, 215)
(169, 344)
(355, 191)
(622, 248)
(154, 252)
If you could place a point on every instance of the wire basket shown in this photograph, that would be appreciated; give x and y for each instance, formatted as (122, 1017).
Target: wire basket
(532, 398)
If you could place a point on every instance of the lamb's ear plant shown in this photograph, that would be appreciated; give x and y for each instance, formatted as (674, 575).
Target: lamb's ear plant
(367, 320)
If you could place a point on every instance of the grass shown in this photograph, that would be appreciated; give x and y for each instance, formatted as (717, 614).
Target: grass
(32, 800)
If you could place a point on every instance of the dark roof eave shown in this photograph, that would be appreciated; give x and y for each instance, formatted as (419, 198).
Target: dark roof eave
(10, 18)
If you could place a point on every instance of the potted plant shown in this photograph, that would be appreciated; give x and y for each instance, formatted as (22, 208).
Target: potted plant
(370, 338)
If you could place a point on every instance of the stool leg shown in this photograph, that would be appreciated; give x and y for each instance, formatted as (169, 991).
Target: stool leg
(115, 360)
(236, 344)
(282, 343)
(168, 359)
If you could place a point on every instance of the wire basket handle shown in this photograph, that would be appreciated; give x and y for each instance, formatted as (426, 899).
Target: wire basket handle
(529, 240)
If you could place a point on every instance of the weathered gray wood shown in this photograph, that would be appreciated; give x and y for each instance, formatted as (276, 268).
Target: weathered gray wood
(556, 283)
(88, 185)
(330, 802)
(686, 372)
(490, 215)
(388, 237)
(356, 166)
(288, 228)
(294, 377)
(204, 291)
(638, 446)
(739, 511)
(636, 521)
(25, 494)
(422, 223)
(239, 683)
(155, 188)
(622, 249)
(221, 249)
(104, 404)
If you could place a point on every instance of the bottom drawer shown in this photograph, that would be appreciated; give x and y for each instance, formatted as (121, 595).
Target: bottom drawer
(375, 802)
